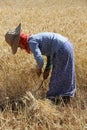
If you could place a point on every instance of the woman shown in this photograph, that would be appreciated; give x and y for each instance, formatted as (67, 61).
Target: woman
(60, 57)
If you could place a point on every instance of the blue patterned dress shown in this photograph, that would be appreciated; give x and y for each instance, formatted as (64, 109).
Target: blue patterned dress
(61, 53)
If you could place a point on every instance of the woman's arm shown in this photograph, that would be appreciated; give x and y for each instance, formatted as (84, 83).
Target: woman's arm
(34, 47)
(47, 68)
(49, 63)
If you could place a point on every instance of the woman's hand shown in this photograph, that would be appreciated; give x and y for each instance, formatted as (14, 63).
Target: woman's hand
(46, 74)
(38, 71)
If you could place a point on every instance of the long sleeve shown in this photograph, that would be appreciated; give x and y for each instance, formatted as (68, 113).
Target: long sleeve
(49, 63)
(33, 45)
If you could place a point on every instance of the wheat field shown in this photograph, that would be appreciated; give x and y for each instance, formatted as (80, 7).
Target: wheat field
(18, 79)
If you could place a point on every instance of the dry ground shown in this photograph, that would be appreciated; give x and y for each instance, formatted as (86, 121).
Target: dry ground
(17, 75)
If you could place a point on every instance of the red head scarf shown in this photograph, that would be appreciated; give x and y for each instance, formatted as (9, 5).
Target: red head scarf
(23, 42)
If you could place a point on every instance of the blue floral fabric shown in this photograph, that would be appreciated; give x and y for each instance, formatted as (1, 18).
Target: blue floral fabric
(62, 82)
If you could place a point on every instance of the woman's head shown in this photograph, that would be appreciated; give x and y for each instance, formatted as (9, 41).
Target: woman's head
(12, 38)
